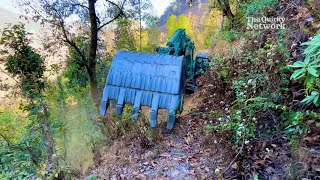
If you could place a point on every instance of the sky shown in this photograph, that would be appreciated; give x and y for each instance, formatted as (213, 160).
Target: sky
(159, 5)
(9, 5)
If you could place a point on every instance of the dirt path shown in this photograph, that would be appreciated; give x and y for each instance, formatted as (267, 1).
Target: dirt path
(180, 155)
(186, 153)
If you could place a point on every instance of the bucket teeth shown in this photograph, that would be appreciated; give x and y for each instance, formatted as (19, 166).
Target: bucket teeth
(135, 114)
(136, 106)
(154, 110)
(171, 120)
(119, 106)
(105, 102)
(153, 119)
(104, 107)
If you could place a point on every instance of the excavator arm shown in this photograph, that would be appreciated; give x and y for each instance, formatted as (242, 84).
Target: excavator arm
(181, 45)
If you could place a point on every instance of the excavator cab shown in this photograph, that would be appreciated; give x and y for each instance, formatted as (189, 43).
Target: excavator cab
(202, 62)
(158, 81)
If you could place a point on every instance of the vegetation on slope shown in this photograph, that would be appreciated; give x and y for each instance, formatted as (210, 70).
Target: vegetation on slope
(257, 115)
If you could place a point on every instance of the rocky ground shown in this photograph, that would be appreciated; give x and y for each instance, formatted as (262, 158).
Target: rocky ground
(185, 153)
(191, 153)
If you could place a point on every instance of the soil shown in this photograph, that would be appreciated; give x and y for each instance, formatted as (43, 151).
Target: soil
(179, 155)
(182, 154)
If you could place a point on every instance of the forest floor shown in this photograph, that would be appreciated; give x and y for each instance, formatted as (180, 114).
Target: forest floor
(177, 155)
(186, 153)
(190, 153)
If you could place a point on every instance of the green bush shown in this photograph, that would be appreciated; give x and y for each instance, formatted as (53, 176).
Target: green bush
(308, 71)
(256, 6)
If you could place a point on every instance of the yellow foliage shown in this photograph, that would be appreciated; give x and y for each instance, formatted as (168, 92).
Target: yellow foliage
(12, 123)
(212, 26)
(182, 22)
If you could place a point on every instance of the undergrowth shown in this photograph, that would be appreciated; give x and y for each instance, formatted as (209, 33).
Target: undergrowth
(255, 94)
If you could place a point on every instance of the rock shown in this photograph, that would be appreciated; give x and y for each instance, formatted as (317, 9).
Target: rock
(114, 177)
(270, 170)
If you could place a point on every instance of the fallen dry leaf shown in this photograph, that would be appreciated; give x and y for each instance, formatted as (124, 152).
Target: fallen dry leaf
(260, 163)
(177, 158)
(274, 145)
(195, 164)
(166, 155)
(192, 172)
(153, 163)
(170, 143)
(188, 140)
(235, 166)
(193, 159)
(207, 169)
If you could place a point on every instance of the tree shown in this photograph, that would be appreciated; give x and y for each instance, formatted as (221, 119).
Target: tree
(223, 5)
(77, 77)
(212, 26)
(151, 20)
(60, 14)
(153, 39)
(170, 25)
(182, 22)
(126, 35)
(139, 14)
(22, 62)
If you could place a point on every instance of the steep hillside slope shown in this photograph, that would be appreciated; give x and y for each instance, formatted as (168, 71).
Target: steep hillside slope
(14, 18)
(37, 31)
(178, 7)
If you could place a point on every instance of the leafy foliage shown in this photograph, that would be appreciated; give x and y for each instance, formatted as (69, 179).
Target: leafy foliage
(36, 145)
(250, 98)
(175, 23)
(256, 6)
(308, 70)
(77, 76)
(126, 35)
(22, 61)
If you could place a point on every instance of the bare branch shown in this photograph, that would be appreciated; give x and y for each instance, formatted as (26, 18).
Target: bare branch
(117, 16)
(6, 139)
(103, 25)
(8, 75)
(81, 5)
(114, 4)
(73, 44)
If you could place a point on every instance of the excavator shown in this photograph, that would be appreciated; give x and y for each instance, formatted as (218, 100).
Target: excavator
(158, 81)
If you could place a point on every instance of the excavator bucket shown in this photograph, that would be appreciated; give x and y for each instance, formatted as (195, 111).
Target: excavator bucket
(153, 80)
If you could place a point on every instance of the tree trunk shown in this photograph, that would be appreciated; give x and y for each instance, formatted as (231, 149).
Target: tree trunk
(93, 53)
(140, 27)
(228, 12)
(48, 139)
